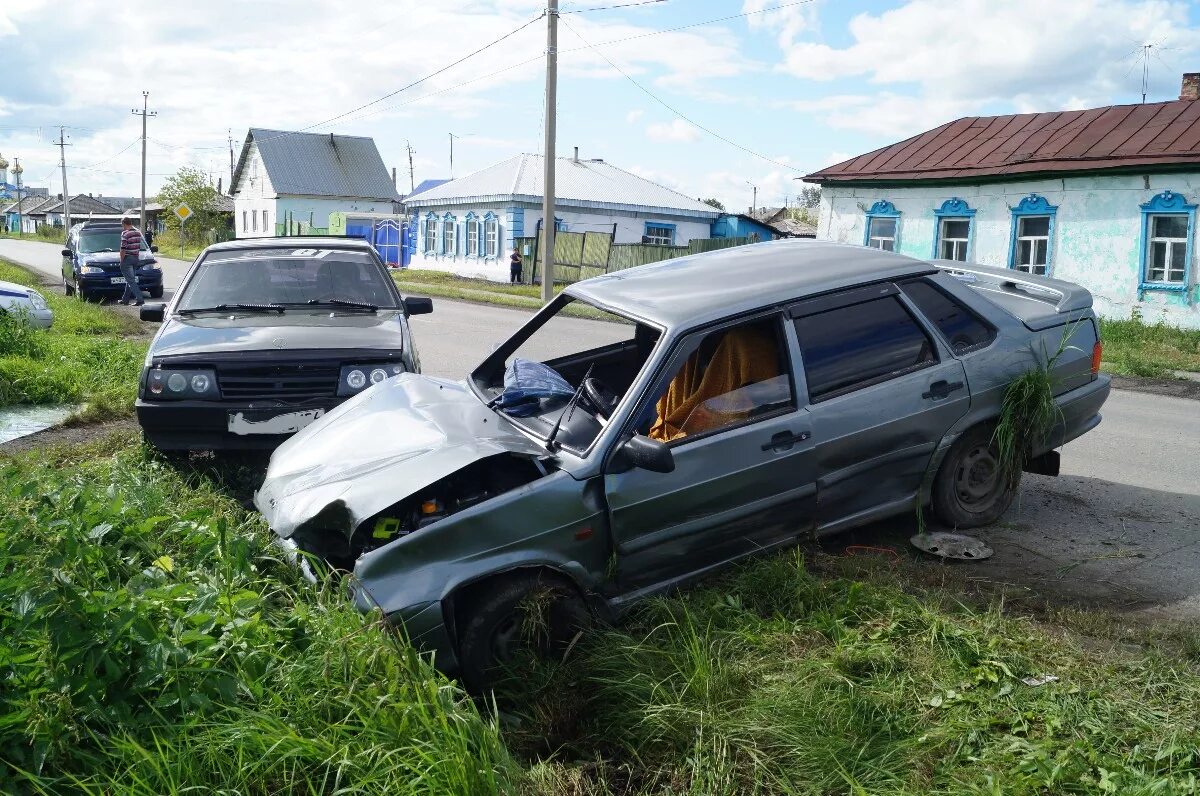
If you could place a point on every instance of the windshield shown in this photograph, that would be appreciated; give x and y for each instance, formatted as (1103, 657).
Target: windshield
(289, 276)
(533, 375)
(107, 240)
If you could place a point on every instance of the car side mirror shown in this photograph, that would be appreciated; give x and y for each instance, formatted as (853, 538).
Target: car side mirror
(643, 453)
(152, 312)
(154, 249)
(416, 305)
(66, 252)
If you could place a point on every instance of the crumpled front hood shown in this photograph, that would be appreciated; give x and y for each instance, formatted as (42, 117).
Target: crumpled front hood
(295, 330)
(378, 448)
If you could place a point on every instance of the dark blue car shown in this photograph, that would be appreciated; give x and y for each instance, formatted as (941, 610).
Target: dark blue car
(92, 263)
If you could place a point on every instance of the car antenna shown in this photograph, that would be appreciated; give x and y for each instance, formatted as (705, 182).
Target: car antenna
(569, 408)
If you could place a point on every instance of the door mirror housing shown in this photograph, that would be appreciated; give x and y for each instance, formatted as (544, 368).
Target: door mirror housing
(152, 312)
(66, 252)
(416, 305)
(154, 249)
(643, 453)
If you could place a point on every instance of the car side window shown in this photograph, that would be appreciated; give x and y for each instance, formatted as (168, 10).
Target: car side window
(963, 329)
(731, 377)
(855, 346)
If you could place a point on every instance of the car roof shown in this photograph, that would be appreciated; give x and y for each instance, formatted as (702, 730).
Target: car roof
(308, 241)
(702, 288)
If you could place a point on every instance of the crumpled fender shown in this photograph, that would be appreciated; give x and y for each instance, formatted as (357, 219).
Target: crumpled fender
(378, 448)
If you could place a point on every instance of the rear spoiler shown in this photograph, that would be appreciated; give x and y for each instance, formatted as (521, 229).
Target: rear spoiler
(1066, 296)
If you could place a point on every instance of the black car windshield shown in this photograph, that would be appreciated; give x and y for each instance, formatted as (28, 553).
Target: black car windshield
(329, 278)
(102, 240)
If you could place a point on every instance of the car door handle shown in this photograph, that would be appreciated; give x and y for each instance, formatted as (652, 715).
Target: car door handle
(941, 389)
(785, 440)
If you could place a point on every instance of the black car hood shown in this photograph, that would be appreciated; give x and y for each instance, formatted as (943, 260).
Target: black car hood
(294, 330)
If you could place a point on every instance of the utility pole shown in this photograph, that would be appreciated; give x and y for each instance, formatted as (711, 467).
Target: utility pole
(548, 159)
(17, 173)
(62, 148)
(144, 113)
(754, 201)
(229, 131)
(412, 180)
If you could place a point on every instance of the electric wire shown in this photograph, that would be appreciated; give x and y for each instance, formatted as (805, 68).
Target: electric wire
(612, 7)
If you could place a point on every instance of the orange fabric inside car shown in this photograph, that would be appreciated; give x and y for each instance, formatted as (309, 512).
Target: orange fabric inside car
(746, 355)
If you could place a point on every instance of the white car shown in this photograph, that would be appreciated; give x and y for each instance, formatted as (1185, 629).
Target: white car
(27, 303)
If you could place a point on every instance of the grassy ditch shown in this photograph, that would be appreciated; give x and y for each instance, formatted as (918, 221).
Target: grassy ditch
(87, 357)
(1135, 348)
(154, 641)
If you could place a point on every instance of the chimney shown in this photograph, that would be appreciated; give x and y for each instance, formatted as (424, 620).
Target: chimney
(576, 154)
(1190, 90)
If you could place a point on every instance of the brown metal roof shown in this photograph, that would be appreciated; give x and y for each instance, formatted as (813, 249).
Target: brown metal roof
(1154, 134)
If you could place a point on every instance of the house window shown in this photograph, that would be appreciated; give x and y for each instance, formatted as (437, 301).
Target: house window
(1168, 224)
(449, 235)
(266, 225)
(953, 238)
(883, 222)
(472, 236)
(254, 220)
(245, 221)
(491, 236)
(430, 235)
(1032, 234)
(659, 234)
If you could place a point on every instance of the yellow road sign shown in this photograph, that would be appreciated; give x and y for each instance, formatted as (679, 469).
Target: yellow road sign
(183, 211)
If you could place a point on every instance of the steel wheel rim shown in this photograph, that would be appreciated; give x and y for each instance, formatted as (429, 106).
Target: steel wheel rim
(977, 480)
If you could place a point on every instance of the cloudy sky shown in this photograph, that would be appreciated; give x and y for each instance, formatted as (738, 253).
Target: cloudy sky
(777, 89)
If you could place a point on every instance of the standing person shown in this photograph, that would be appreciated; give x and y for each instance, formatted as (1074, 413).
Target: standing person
(514, 267)
(131, 247)
(149, 236)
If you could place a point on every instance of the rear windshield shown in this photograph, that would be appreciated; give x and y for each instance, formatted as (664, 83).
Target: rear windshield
(102, 240)
(287, 276)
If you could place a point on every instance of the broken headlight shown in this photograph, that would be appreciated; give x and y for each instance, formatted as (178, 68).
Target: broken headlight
(356, 378)
(164, 384)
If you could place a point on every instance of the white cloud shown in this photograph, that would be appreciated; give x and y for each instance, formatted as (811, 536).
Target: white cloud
(887, 114)
(633, 116)
(676, 131)
(788, 22)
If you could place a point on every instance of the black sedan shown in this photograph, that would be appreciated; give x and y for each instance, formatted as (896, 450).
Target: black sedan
(91, 264)
(265, 336)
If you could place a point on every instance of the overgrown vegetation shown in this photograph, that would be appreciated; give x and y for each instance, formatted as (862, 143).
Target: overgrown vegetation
(45, 232)
(87, 357)
(154, 642)
(1135, 348)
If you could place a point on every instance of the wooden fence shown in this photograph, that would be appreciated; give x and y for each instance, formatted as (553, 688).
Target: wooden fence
(582, 255)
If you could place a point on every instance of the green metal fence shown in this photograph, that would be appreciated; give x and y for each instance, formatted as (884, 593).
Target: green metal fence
(582, 255)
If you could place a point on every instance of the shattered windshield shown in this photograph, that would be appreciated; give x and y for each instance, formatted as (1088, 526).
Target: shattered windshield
(329, 278)
(533, 377)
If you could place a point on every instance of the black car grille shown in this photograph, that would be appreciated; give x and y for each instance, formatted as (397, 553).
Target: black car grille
(282, 382)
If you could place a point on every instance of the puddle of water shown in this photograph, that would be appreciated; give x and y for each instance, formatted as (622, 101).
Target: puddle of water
(20, 421)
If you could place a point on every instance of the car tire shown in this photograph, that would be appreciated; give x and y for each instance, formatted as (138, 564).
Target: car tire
(970, 490)
(497, 628)
(156, 292)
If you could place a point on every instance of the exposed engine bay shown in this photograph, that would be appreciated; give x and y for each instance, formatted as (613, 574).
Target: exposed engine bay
(476, 483)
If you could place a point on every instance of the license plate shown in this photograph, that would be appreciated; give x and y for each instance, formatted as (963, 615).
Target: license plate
(117, 280)
(285, 423)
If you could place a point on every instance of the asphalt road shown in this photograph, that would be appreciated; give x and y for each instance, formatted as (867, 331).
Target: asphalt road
(47, 258)
(1120, 527)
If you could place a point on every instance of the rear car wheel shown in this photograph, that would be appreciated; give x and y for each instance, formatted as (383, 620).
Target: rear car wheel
(156, 292)
(527, 614)
(970, 489)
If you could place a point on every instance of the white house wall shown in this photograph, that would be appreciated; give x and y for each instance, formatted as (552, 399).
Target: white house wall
(254, 193)
(1097, 237)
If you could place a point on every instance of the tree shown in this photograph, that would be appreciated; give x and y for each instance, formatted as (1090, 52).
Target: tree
(193, 187)
(714, 203)
(810, 196)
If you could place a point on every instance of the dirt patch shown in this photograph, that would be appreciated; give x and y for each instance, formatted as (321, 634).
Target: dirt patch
(68, 435)
(1173, 388)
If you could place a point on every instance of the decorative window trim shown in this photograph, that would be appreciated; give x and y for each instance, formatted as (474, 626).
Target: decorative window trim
(881, 209)
(449, 224)
(1167, 203)
(953, 208)
(1032, 205)
(663, 225)
(490, 248)
(471, 233)
(437, 233)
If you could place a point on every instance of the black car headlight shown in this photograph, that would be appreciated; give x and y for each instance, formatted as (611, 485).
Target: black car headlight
(356, 378)
(165, 384)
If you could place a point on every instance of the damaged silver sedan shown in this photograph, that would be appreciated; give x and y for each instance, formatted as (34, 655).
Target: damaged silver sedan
(654, 425)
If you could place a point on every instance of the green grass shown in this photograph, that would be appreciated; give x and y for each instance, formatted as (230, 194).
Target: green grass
(1134, 348)
(85, 358)
(168, 246)
(481, 291)
(442, 279)
(152, 640)
(44, 233)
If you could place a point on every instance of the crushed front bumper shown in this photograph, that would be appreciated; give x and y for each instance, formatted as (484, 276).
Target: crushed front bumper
(205, 425)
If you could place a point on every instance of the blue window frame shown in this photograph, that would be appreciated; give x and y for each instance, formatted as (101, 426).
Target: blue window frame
(449, 235)
(472, 234)
(954, 230)
(1031, 240)
(491, 235)
(430, 233)
(1168, 226)
(882, 227)
(659, 233)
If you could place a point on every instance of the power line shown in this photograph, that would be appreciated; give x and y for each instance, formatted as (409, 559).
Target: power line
(673, 110)
(613, 7)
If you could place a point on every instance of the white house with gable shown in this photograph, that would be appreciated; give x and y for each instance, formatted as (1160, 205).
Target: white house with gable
(287, 182)
(468, 226)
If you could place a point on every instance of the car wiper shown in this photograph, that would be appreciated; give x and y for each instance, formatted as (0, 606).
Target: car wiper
(569, 409)
(245, 307)
(353, 305)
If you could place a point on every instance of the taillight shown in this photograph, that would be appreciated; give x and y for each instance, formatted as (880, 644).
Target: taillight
(1097, 353)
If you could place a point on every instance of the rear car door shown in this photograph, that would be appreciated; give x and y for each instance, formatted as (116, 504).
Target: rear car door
(727, 406)
(882, 392)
